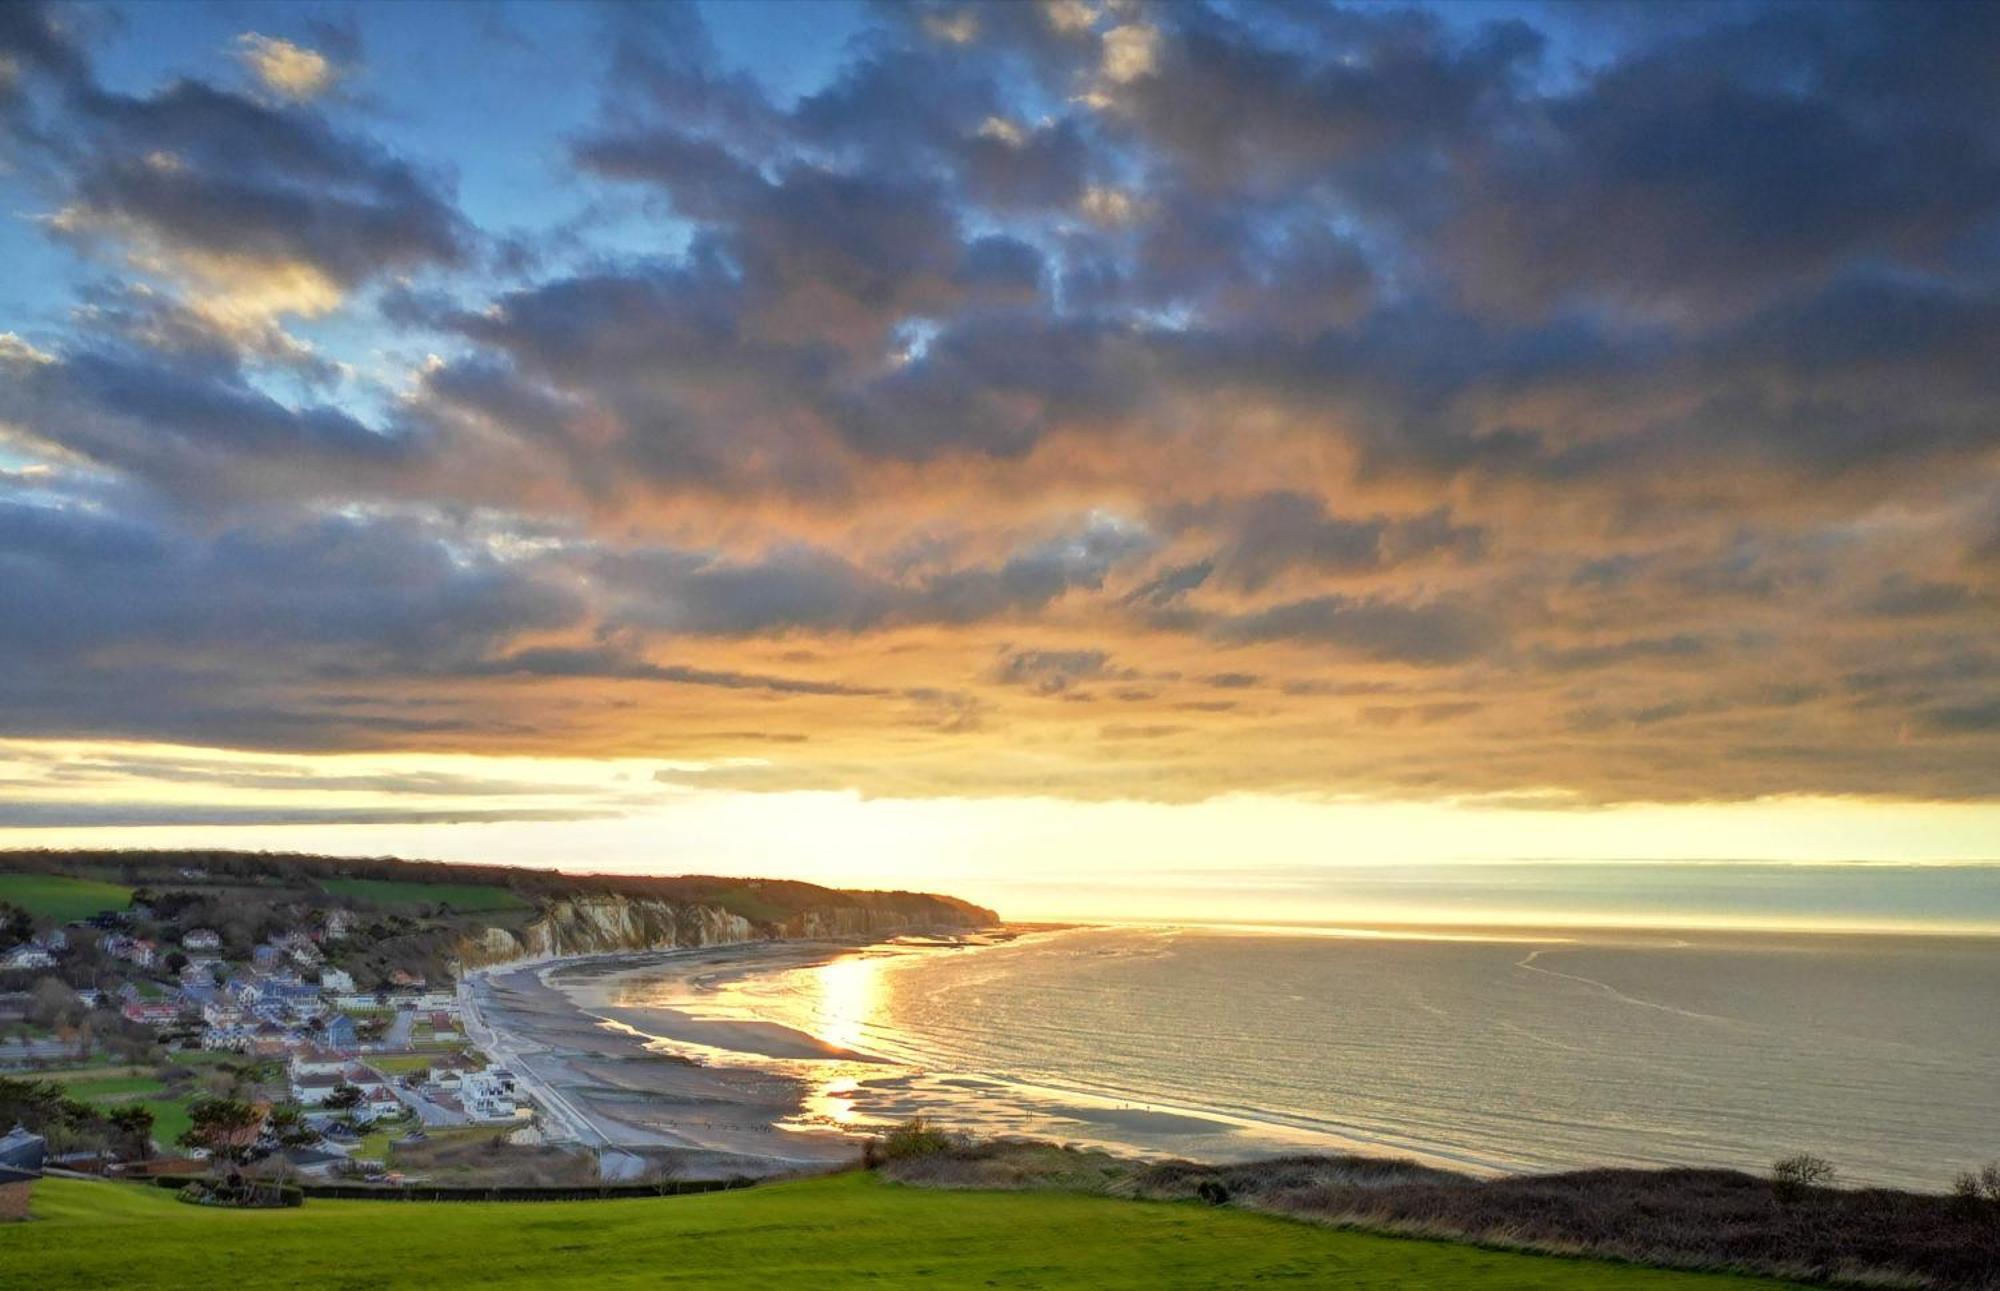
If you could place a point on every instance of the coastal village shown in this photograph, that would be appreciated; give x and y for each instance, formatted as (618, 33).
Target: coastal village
(122, 1028)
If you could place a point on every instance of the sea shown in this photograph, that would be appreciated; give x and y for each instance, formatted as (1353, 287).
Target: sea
(1486, 1049)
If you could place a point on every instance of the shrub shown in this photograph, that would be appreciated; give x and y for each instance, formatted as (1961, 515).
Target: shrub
(1795, 1176)
(1213, 1191)
(915, 1137)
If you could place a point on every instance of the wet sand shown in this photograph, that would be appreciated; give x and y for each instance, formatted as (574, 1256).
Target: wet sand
(605, 1083)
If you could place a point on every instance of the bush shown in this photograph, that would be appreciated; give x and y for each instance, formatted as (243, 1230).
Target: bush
(1795, 1176)
(1213, 1191)
(915, 1137)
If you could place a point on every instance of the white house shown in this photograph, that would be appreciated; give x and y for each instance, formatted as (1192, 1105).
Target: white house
(27, 957)
(484, 1097)
(336, 979)
(314, 1061)
(200, 939)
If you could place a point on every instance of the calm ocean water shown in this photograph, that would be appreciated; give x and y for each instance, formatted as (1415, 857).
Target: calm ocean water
(1509, 1051)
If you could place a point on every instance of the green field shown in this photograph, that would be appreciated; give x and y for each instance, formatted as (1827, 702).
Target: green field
(62, 899)
(124, 1086)
(847, 1231)
(389, 894)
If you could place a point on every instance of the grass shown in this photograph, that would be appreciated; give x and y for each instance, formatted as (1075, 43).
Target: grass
(109, 1087)
(465, 898)
(62, 899)
(847, 1231)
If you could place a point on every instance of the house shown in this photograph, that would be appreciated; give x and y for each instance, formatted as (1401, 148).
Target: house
(266, 958)
(339, 923)
(341, 1033)
(484, 1097)
(137, 950)
(314, 1090)
(403, 977)
(200, 939)
(196, 996)
(20, 1148)
(27, 957)
(337, 980)
(55, 940)
(315, 1061)
(154, 1013)
(234, 1037)
(278, 998)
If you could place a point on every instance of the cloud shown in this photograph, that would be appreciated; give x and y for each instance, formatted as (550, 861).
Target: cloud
(289, 70)
(1399, 401)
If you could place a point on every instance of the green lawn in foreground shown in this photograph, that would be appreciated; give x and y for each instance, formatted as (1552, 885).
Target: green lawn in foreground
(62, 899)
(847, 1231)
(462, 897)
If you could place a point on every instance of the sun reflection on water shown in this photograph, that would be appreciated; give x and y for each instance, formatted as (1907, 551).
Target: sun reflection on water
(849, 993)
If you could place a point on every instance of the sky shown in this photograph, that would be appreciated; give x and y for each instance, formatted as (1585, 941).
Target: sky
(1089, 456)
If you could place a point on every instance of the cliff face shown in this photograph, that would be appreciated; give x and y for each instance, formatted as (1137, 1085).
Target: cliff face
(598, 923)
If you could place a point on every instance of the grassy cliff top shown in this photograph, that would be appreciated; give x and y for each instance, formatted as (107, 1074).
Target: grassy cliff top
(849, 1230)
(389, 882)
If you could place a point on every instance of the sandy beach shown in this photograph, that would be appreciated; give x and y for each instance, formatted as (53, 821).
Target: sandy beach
(605, 1083)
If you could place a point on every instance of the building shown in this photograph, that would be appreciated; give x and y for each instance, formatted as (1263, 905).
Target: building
(154, 1013)
(316, 1061)
(337, 980)
(339, 923)
(27, 957)
(201, 939)
(313, 1091)
(266, 958)
(136, 950)
(485, 1098)
(341, 1034)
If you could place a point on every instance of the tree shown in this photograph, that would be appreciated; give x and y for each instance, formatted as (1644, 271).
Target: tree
(287, 1124)
(132, 1131)
(345, 1096)
(16, 925)
(51, 1003)
(1795, 1176)
(225, 1127)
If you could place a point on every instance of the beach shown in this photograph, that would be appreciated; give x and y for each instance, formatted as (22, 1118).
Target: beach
(614, 1087)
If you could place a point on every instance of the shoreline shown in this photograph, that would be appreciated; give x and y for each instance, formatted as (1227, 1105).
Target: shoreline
(716, 1097)
(606, 1085)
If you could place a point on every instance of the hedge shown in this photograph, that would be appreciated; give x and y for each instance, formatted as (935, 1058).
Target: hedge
(428, 1192)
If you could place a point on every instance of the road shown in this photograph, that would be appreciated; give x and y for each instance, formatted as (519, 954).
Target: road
(559, 1114)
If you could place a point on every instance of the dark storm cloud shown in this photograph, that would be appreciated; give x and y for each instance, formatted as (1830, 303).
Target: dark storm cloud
(208, 171)
(1426, 635)
(805, 589)
(82, 588)
(1270, 533)
(573, 662)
